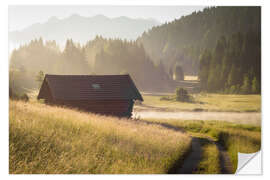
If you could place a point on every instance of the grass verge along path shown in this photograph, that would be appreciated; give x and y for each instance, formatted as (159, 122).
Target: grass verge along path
(233, 137)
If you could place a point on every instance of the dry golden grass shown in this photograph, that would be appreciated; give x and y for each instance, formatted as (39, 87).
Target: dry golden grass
(46, 139)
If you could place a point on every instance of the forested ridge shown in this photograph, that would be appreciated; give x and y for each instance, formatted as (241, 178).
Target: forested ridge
(233, 66)
(183, 40)
(222, 45)
(99, 56)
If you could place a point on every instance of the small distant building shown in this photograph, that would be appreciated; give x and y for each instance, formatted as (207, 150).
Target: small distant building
(102, 94)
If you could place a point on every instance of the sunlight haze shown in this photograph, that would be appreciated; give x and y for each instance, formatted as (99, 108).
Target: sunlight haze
(21, 17)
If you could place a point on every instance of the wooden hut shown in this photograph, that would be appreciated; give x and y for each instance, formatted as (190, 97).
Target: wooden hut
(103, 94)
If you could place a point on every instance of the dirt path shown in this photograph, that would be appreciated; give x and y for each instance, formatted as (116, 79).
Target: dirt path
(192, 160)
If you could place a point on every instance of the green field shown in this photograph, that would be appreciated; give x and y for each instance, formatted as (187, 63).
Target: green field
(234, 137)
(206, 102)
(46, 139)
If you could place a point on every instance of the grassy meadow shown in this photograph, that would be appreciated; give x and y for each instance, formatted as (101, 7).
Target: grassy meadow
(55, 140)
(190, 78)
(234, 137)
(207, 102)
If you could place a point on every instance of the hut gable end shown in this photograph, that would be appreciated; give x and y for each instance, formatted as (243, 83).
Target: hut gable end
(45, 92)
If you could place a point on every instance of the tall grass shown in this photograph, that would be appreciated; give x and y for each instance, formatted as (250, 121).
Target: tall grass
(234, 137)
(46, 139)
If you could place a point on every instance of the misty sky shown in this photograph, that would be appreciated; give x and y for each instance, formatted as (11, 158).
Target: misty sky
(23, 16)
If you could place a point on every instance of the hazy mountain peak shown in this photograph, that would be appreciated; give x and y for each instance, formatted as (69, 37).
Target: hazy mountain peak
(154, 20)
(75, 16)
(99, 16)
(53, 19)
(123, 17)
(81, 28)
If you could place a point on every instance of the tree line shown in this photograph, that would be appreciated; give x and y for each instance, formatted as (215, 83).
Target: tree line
(220, 44)
(99, 56)
(233, 65)
(183, 40)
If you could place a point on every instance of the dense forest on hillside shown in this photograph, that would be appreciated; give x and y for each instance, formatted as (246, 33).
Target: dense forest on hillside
(233, 66)
(122, 57)
(222, 45)
(99, 56)
(183, 40)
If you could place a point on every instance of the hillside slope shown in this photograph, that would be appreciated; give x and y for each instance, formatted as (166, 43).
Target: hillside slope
(46, 139)
(183, 40)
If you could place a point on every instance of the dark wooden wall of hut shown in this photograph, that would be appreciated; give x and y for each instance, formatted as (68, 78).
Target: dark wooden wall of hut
(120, 108)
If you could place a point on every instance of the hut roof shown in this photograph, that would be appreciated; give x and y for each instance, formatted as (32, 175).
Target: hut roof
(90, 87)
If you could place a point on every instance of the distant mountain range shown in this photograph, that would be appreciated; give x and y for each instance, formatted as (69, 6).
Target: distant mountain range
(83, 29)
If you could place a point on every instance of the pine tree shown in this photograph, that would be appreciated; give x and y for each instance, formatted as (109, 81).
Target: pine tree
(246, 87)
(39, 78)
(211, 80)
(171, 73)
(178, 73)
(255, 86)
(231, 76)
